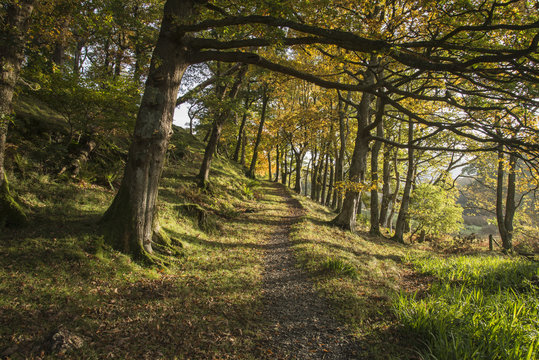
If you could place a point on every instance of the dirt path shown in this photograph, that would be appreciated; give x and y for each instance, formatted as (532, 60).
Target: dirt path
(300, 321)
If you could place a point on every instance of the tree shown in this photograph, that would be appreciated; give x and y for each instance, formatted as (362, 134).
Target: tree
(265, 100)
(130, 220)
(13, 30)
(221, 116)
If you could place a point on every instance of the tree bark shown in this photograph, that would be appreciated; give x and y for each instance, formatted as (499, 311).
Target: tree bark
(299, 162)
(218, 123)
(318, 178)
(243, 146)
(269, 165)
(339, 166)
(346, 218)
(285, 166)
(325, 179)
(403, 211)
(393, 199)
(13, 31)
(265, 99)
(277, 163)
(386, 195)
(130, 221)
(290, 170)
(242, 128)
(314, 171)
(375, 219)
(505, 222)
(330, 187)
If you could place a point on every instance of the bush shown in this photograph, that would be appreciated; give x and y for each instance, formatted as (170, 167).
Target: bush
(435, 211)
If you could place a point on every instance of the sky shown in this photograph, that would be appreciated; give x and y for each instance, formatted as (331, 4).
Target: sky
(180, 116)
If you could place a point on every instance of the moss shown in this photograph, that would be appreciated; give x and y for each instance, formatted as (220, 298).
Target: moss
(11, 213)
(201, 216)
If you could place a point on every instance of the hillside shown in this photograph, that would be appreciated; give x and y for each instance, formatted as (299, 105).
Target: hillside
(250, 271)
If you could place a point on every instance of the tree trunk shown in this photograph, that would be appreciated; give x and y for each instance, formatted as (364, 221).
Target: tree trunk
(299, 162)
(290, 170)
(306, 184)
(243, 146)
(403, 211)
(285, 166)
(314, 171)
(269, 165)
(393, 199)
(505, 222)
(330, 188)
(386, 196)
(339, 166)
(242, 129)
(130, 221)
(12, 43)
(218, 123)
(252, 168)
(118, 62)
(325, 180)
(277, 163)
(318, 178)
(346, 218)
(58, 55)
(375, 219)
(74, 166)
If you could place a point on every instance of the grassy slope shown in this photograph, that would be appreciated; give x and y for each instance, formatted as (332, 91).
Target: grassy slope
(361, 275)
(52, 276)
(404, 302)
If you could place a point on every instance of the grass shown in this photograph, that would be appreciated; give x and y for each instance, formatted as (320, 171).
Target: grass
(360, 276)
(483, 307)
(206, 304)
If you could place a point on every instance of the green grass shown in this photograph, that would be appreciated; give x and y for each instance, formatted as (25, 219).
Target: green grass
(483, 307)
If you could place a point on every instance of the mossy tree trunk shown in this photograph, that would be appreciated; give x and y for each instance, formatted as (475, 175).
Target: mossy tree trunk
(13, 30)
(130, 221)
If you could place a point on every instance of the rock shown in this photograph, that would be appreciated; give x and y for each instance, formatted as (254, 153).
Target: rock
(64, 341)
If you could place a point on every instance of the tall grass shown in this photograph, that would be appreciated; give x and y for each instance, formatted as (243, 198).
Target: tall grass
(482, 308)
